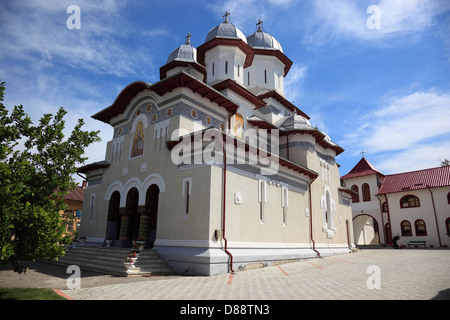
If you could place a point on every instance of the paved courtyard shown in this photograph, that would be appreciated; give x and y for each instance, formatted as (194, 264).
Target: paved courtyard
(375, 274)
(368, 274)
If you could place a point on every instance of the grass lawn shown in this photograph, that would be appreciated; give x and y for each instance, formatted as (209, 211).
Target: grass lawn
(29, 294)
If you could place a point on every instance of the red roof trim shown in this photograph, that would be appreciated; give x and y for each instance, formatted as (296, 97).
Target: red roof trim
(283, 101)
(320, 139)
(225, 42)
(276, 53)
(243, 92)
(93, 166)
(285, 163)
(173, 64)
(121, 102)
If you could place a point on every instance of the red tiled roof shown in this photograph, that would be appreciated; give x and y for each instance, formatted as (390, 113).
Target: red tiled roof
(415, 180)
(362, 168)
(75, 195)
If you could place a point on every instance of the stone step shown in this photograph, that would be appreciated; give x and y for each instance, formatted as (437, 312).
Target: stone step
(109, 260)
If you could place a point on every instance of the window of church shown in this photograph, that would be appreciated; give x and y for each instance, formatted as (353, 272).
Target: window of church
(226, 67)
(186, 193)
(248, 78)
(213, 68)
(262, 196)
(284, 203)
(421, 228)
(409, 201)
(384, 207)
(91, 207)
(355, 197)
(448, 198)
(265, 76)
(406, 228)
(366, 192)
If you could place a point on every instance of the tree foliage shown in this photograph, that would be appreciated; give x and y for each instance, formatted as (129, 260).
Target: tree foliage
(37, 165)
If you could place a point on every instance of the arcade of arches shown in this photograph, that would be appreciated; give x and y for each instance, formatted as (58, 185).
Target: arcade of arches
(133, 221)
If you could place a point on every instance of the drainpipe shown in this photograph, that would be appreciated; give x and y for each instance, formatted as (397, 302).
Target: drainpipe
(310, 218)
(435, 216)
(382, 220)
(224, 202)
(389, 219)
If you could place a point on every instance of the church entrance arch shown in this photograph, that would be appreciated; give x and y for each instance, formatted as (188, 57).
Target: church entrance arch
(366, 230)
(113, 223)
(151, 214)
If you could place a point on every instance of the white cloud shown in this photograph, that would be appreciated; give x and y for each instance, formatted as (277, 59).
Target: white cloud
(403, 123)
(347, 20)
(419, 157)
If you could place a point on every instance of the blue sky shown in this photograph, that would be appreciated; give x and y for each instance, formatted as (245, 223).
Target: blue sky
(383, 90)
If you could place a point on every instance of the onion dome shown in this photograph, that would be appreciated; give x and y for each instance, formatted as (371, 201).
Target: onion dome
(225, 30)
(263, 40)
(185, 52)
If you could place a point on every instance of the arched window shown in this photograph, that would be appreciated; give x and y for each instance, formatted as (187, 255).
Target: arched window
(366, 192)
(409, 201)
(406, 228)
(421, 228)
(355, 197)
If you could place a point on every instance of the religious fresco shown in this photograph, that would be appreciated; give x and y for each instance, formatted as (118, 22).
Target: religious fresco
(238, 126)
(137, 148)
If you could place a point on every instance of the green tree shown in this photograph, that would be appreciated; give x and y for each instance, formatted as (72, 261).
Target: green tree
(445, 163)
(37, 165)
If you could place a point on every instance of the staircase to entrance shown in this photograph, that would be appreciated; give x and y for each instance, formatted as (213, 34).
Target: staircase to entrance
(109, 261)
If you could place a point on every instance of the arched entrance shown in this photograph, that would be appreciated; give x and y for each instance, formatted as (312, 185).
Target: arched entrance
(151, 211)
(130, 220)
(366, 230)
(113, 223)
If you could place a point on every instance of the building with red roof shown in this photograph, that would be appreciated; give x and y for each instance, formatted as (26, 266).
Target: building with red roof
(414, 206)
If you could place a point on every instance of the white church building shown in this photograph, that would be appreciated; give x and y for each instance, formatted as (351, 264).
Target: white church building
(213, 167)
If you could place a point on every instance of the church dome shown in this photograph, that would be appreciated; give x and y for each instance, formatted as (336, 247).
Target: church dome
(225, 30)
(263, 40)
(296, 122)
(185, 52)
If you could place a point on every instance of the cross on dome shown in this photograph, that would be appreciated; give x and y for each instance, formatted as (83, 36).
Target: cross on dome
(188, 38)
(225, 16)
(260, 22)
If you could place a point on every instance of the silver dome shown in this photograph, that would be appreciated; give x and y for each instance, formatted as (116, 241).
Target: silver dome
(225, 30)
(297, 122)
(185, 52)
(263, 40)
